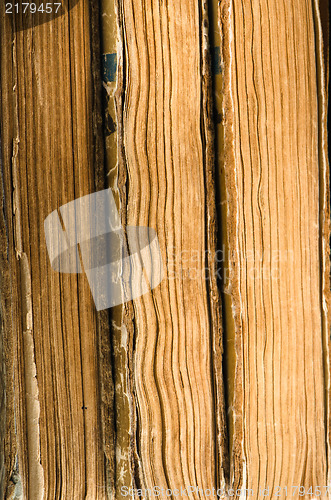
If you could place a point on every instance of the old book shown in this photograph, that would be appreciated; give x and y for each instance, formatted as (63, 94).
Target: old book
(165, 180)
(277, 218)
(203, 127)
(52, 152)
